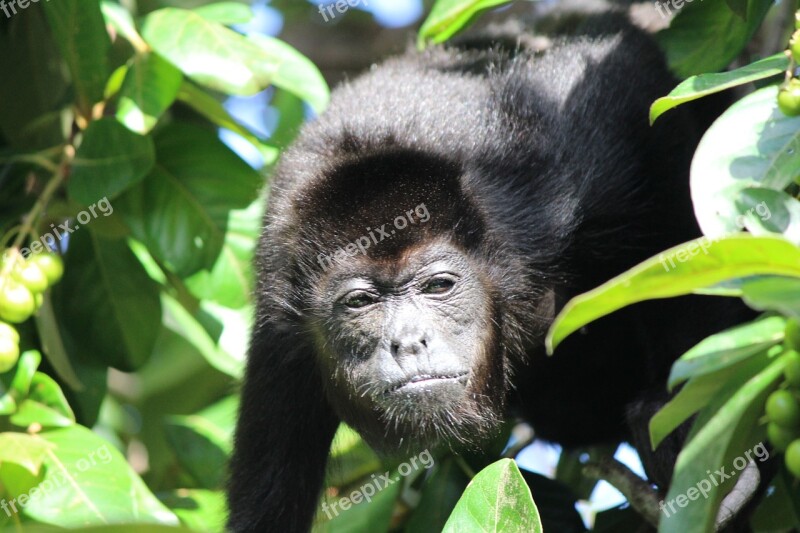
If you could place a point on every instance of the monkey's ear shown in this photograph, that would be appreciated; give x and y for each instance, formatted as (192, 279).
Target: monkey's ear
(283, 436)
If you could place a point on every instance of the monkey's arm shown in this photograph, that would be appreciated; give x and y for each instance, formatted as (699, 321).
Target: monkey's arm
(282, 439)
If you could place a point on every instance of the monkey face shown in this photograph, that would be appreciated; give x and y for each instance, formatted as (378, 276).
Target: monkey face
(408, 342)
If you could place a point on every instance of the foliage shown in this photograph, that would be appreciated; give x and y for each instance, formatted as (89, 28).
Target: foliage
(109, 149)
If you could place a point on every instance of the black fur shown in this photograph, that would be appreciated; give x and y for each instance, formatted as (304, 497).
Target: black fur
(543, 170)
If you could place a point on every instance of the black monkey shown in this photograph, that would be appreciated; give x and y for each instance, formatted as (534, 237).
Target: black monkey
(522, 179)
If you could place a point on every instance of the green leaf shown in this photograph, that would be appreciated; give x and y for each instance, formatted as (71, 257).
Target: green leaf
(106, 289)
(714, 443)
(110, 159)
(122, 21)
(80, 32)
(707, 36)
(34, 81)
(151, 85)
(213, 110)
(697, 393)
(53, 345)
(290, 70)
(180, 211)
(32, 413)
(26, 367)
(681, 270)
(773, 293)
(230, 280)
(227, 13)
(221, 59)
(696, 87)
(751, 146)
(728, 348)
(88, 482)
(449, 16)
(25, 450)
(201, 447)
(180, 321)
(497, 499)
(47, 392)
(199, 510)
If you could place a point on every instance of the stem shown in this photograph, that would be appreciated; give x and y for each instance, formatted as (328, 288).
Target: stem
(640, 495)
(29, 221)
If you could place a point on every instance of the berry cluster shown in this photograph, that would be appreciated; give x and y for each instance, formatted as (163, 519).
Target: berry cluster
(789, 94)
(22, 285)
(783, 409)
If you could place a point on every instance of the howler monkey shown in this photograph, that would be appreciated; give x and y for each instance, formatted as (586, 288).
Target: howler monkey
(422, 234)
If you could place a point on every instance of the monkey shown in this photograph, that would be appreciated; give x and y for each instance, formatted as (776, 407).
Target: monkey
(422, 234)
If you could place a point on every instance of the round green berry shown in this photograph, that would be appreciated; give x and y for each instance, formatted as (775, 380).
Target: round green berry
(789, 98)
(792, 458)
(782, 408)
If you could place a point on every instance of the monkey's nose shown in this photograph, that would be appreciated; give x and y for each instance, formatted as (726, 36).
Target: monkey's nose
(409, 343)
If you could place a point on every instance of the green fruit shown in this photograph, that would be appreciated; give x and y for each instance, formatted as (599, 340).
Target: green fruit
(789, 98)
(792, 369)
(31, 276)
(9, 354)
(50, 264)
(792, 334)
(792, 458)
(782, 408)
(780, 437)
(16, 302)
(9, 332)
(794, 46)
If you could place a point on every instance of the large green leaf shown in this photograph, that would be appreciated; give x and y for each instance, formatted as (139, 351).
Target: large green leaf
(180, 211)
(707, 36)
(109, 160)
(88, 482)
(681, 270)
(696, 87)
(728, 348)
(151, 85)
(106, 289)
(497, 499)
(715, 441)
(80, 32)
(221, 59)
(751, 147)
(350, 458)
(449, 16)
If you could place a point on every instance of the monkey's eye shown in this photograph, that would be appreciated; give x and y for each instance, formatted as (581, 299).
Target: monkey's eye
(438, 286)
(358, 299)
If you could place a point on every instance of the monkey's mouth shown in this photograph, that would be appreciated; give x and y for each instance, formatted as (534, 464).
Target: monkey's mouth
(423, 381)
